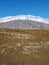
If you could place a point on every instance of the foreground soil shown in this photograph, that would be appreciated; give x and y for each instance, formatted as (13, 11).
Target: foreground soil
(24, 47)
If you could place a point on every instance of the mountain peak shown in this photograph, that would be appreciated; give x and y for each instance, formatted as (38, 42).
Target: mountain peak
(25, 17)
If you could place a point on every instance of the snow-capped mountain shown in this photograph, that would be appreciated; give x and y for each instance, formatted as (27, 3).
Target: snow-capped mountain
(24, 22)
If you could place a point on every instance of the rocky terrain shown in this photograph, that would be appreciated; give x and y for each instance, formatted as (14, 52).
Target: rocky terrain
(24, 47)
(24, 22)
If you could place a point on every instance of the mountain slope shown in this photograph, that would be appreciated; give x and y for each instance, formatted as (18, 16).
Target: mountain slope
(24, 22)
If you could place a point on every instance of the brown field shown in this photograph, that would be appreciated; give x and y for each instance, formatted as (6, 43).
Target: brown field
(24, 47)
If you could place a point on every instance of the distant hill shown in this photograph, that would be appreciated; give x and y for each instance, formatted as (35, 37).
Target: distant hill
(24, 22)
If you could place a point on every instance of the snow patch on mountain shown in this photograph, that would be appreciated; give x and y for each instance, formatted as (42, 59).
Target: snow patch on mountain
(24, 17)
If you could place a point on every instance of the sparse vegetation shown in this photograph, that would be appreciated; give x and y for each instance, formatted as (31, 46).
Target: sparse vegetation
(24, 47)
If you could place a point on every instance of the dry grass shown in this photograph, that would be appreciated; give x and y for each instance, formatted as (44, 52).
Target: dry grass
(24, 47)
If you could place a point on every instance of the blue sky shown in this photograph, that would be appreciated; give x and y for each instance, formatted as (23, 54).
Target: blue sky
(26, 7)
